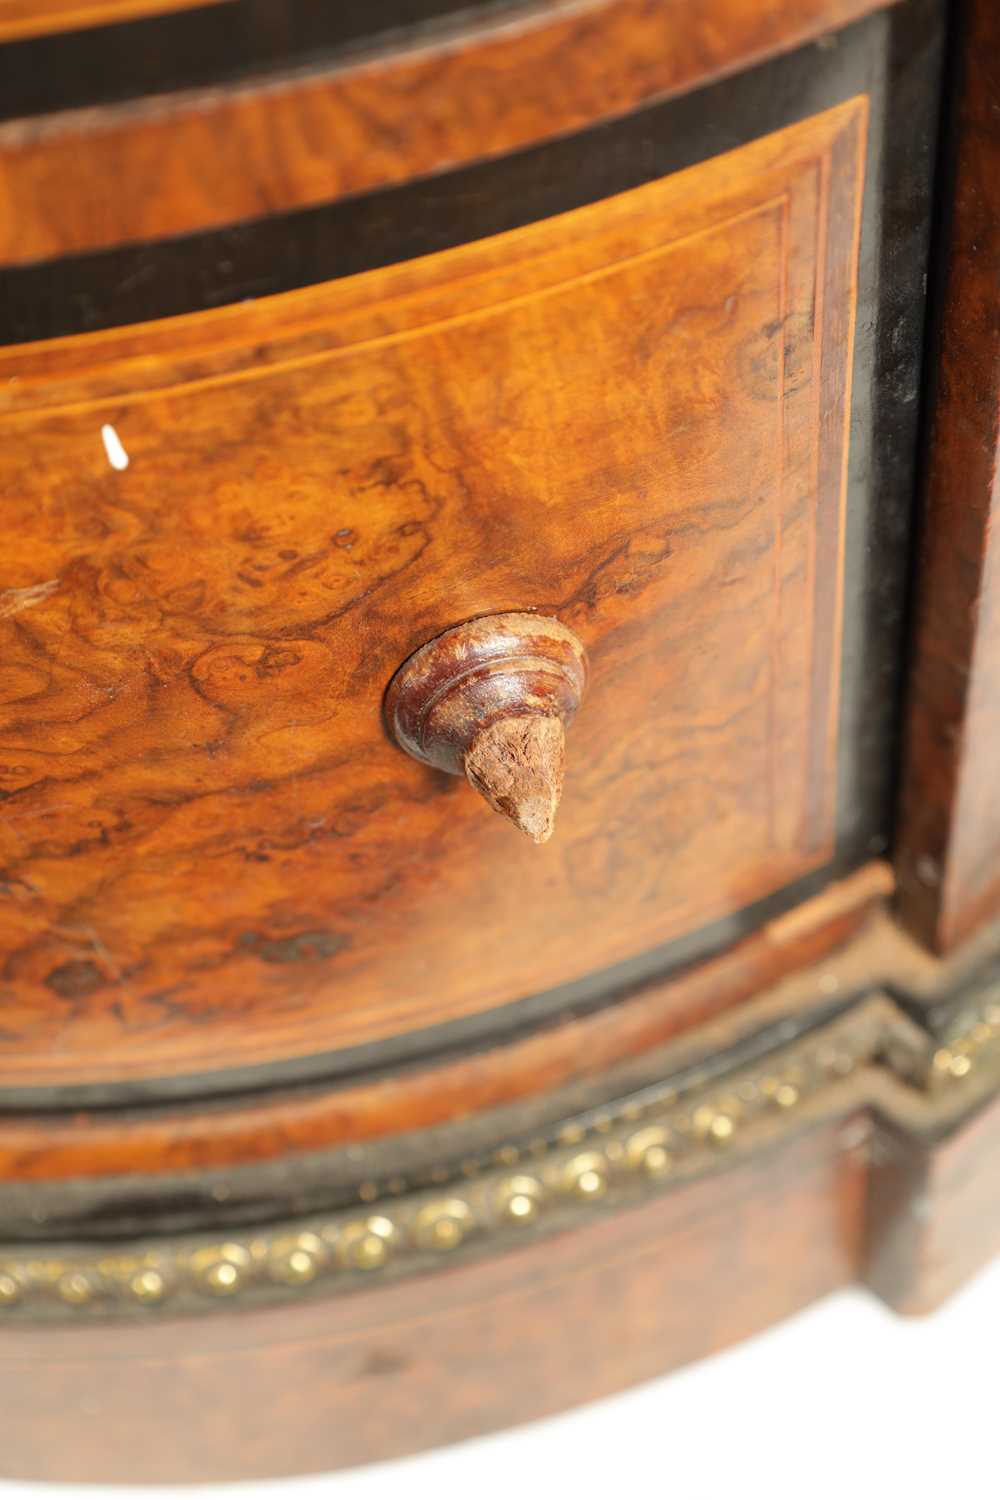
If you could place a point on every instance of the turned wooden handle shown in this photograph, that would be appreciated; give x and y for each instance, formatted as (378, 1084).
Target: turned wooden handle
(490, 699)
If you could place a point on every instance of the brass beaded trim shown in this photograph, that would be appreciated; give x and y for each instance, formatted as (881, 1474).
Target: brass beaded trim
(608, 1158)
(968, 1041)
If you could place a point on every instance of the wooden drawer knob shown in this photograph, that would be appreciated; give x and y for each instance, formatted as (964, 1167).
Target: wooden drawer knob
(491, 699)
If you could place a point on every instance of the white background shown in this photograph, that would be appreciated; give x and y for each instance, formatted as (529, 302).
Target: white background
(843, 1402)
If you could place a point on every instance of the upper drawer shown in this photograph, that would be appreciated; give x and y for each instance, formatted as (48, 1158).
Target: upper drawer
(633, 417)
(234, 110)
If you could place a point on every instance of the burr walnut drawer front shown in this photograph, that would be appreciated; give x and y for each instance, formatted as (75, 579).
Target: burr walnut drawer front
(225, 532)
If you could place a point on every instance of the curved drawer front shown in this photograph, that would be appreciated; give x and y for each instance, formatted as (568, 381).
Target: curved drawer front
(203, 118)
(228, 530)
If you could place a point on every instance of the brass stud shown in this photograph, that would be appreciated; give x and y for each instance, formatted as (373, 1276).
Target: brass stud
(442, 1225)
(367, 1244)
(219, 1268)
(713, 1125)
(147, 1286)
(295, 1260)
(10, 1289)
(786, 1096)
(519, 1199)
(952, 1063)
(587, 1175)
(222, 1278)
(647, 1151)
(371, 1252)
(75, 1288)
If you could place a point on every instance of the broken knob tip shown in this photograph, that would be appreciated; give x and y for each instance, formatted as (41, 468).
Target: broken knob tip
(491, 698)
(517, 764)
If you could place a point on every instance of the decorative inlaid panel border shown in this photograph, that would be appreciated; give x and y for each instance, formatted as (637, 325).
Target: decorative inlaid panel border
(871, 1056)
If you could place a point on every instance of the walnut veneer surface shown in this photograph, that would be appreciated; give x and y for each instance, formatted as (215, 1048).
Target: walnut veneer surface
(213, 850)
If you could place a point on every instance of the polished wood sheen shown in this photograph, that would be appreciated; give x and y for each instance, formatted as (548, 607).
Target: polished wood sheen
(949, 847)
(21, 18)
(214, 853)
(533, 1075)
(222, 155)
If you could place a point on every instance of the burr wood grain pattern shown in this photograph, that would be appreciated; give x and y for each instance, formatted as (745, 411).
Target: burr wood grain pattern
(190, 1149)
(949, 838)
(213, 853)
(274, 144)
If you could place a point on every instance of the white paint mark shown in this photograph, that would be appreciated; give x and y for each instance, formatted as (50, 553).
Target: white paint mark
(117, 457)
(12, 601)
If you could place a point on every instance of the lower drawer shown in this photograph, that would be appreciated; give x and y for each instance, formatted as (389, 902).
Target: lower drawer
(632, 417)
